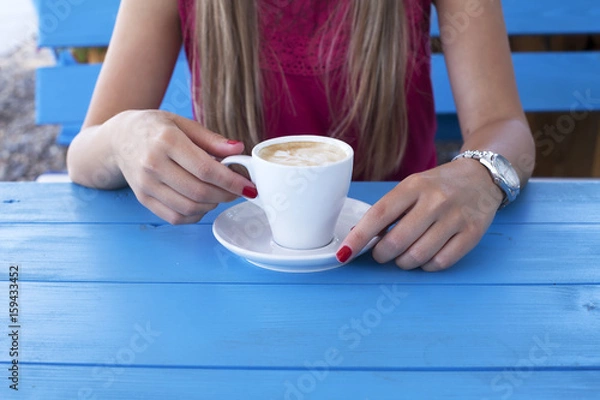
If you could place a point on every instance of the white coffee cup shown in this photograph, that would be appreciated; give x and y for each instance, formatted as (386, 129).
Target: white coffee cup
(302, 188)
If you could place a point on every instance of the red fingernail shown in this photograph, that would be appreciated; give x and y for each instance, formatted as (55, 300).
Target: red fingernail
(343, 254)
(233, 142)
(250, 192)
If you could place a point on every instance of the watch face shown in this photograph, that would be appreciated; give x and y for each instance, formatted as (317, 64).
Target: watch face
(507, 171)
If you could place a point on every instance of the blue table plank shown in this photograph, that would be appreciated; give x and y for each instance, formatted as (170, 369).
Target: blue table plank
(59, 382)
(543, 200)
(370, 327)
(186, 254)
(114, 304)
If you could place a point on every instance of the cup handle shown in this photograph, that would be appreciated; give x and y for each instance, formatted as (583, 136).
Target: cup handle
(246, 162)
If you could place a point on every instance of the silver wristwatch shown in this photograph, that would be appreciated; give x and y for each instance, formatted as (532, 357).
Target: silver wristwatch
(502, 172)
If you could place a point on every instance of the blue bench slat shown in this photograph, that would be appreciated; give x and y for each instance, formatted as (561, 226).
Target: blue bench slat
(67, 134)
(223, 325)
(543, 17)
(75, 23)
(546, 81)
(571, 75)
(65, 23)
(74, 85)
(124, 383)
(448, 128)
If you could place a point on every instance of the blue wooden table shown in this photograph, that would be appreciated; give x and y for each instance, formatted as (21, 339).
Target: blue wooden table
(114, 304)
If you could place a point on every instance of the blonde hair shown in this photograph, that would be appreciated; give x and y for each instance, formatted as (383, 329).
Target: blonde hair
(229, 98)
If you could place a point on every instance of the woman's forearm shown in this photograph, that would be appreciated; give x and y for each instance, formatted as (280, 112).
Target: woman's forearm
(91, 160)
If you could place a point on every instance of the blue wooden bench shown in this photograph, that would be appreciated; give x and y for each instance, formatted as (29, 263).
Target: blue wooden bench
(63, 91)
(547, 81)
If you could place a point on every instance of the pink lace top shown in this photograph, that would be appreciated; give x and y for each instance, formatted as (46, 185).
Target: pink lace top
(288, 32)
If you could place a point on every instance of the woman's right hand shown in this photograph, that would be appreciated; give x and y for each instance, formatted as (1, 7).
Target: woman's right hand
(172, 164)
(168, 161)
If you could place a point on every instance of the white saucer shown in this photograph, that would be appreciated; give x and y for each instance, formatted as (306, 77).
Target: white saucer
(243, 229)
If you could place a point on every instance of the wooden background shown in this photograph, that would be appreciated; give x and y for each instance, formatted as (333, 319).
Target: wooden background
(575, 154)
(578, 152)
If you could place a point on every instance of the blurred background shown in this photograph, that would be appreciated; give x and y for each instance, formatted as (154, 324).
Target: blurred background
(26, 150)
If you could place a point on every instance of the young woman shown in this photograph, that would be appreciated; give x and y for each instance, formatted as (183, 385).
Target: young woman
(355, 69)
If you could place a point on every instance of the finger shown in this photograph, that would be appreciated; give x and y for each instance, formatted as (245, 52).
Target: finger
(167, 213)
(456, 248)
(177, 202)
(406, 232)
(205, 168)
(427, 246)
(384, 213)
(191, 187)
(211, 142)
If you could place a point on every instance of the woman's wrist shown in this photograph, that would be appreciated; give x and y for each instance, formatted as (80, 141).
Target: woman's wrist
(510, 138)
(92, 156)
(479, 179)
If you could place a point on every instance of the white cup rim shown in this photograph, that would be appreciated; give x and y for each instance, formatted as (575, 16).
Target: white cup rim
(304, 138)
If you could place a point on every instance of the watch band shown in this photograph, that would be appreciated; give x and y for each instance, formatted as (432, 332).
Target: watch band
(475, 154)
(502, 172)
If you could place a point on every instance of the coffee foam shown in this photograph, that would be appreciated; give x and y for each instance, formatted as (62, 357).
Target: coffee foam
(302, 153)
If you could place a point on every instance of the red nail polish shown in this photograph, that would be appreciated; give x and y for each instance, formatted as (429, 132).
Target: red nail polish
(250, 192)
(233, 142)
(343, 254)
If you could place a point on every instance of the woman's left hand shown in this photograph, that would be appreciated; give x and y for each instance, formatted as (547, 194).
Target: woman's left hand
(439, 216)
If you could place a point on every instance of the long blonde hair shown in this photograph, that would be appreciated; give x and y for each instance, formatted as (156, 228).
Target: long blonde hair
(229, 98)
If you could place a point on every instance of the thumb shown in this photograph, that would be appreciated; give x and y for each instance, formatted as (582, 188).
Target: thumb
(211, 142)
